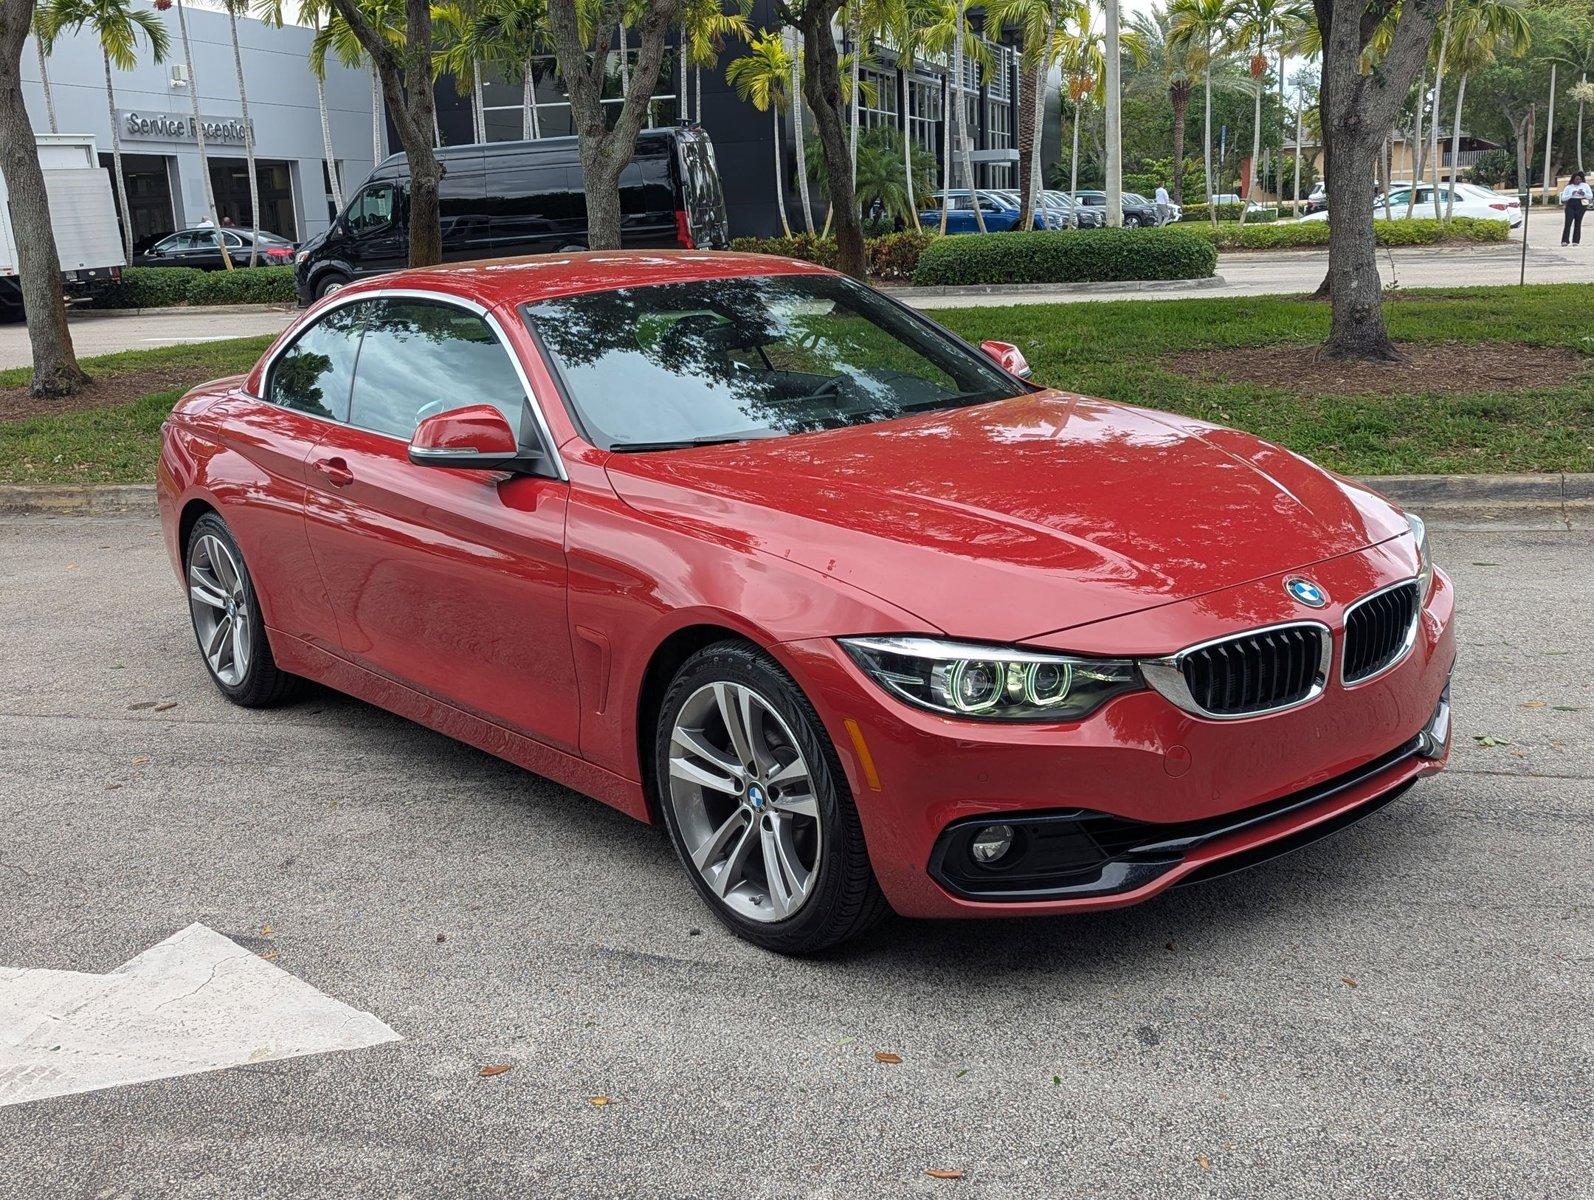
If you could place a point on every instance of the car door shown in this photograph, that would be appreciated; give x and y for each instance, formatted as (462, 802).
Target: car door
(377, 238)
(304, 390)
(449, 581)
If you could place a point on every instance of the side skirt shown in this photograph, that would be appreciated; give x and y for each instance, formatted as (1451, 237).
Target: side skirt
(301, 658)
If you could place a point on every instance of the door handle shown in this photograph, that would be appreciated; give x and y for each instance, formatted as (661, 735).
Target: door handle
(336, 471)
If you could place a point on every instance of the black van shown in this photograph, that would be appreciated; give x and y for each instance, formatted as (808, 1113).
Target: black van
(507, 198)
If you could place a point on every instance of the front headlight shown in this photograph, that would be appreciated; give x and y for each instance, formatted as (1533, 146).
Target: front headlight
(992, 682)
(1419, 530)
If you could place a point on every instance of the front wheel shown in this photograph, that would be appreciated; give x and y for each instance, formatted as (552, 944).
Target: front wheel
(331, 282)
(757, 805)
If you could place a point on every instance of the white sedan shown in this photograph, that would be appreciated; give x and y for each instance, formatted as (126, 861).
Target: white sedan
(1471, 201)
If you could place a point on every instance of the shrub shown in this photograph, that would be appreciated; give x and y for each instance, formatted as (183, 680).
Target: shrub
(1419, 231)
(1066, 256)
(1227, 212)
(249, 285)
(166, 287)
(148, 287)
(891, 257)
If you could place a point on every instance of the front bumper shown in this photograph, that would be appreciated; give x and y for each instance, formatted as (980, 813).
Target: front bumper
(1173, 796)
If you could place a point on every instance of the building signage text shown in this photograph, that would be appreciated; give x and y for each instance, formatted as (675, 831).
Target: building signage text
(170, 127)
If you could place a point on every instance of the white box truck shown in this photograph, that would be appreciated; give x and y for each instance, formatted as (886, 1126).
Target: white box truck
(82, 213)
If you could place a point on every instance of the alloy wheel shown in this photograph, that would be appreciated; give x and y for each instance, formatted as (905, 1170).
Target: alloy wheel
(743, 799)
(218, 601)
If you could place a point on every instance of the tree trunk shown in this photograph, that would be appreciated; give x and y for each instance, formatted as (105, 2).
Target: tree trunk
(1414, 152)
(697, 73)
(1455, 145)
(1206, 137)
(1115, 118)
(1580, 106)
(407, 88)
(961, 115)
(326, 139)
(478, 103)
(1073, 170)
(528, 106)
(49, 96)
(1549, 138)
(55, 368)
(682, 113)
(1256, 146)
(604, 151)
(1438, 110)
(116, 162)
(249, 140)
(1179, 96)
(822, 87)
(1295, 191)
(199, 137)
(946, 150)
(1358, 330)
(799, 137)
(1025, 101)
(855, 102)
(907, 149)
(376, 118)
(780, 184)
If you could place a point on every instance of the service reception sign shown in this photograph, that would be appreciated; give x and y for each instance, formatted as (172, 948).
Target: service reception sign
(179, 127)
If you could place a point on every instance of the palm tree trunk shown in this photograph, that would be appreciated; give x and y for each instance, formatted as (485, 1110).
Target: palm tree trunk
(965, 151)
(1549, 138)
(326, 143)
(780, 183)
(1455, 144)
(1206, 140)
(698, 72)
(199, 135)
(1580, 105)
(907, 151)
(1179, 96)
(1416, 143)
(625, 59)
(799, 143)
(376, 117)
(1256, 147)
(854, 106)
(1438, 109)
(1295, 192)
(49, 96)
(249, 140)
(116, 159)
(1114, 115)
(680, 51)
(528, 107)
(478, 102)
(946, 151)
(1073, 169)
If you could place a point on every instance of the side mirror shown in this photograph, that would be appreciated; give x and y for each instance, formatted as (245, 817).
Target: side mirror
(1007, 356)
(476, 437)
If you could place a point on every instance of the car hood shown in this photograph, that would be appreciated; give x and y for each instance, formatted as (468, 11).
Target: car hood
(1022, 517)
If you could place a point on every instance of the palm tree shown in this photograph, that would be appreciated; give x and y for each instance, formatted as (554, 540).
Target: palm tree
(1257, 23)
(1203, 23)
(334, 36)
(706, 28)
(1084, 63)
(199, 128)
(761, 77)
(944, 32)
(1036, 22)
(457, 52)
(119, 27)
(42, 44)
(511, 34)
(234, 7)
(1173, 64)
(1481, 27)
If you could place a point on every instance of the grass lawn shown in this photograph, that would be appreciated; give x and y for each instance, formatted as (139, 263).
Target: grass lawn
(1461, 405)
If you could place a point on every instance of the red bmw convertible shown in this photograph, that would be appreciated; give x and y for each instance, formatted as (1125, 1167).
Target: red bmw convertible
(867, 620)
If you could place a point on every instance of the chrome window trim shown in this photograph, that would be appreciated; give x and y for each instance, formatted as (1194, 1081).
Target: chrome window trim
(1166, 675)
(1405, 647)
(343, 298)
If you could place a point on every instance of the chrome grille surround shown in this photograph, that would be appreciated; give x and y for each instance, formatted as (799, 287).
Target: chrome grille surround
(1356, 618)
(1168, 676)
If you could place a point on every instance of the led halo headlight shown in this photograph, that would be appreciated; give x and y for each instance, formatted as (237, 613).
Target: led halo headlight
(1419, 531)
(966, 679)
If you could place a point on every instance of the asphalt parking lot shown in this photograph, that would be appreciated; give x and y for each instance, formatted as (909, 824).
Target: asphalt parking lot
(1404, 1010)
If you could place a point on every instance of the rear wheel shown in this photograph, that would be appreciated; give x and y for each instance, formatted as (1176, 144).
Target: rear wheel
(757, 806)
(227, 621)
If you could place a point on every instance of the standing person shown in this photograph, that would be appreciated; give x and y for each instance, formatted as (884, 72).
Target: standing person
(1576, 197)
(1164, 205)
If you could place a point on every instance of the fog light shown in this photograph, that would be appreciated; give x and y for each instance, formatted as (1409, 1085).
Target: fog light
(991, 843)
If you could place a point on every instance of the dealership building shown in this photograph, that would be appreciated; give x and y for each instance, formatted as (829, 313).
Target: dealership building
(160, 155)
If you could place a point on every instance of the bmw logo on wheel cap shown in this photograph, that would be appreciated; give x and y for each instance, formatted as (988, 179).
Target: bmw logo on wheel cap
(1307, 592)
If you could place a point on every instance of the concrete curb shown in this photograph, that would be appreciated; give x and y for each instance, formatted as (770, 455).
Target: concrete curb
(1553, 500)
(196, 310)
(1118, 287)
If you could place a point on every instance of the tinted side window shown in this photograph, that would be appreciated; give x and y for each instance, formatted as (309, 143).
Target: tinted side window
(373, 209)
(420, 358)
(646, 187)
(313, 374)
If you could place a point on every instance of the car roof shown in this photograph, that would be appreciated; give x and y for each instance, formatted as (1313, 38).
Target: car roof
(535, 277)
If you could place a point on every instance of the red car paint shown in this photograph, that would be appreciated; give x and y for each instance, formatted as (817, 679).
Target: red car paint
(521, 614)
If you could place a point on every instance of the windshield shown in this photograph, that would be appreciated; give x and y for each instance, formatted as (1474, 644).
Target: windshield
(732, 359)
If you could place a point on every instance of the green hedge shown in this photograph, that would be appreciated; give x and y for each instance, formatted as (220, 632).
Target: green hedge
(1227, 212)
(1419, 231)
(891, 257)
(1066, 256)
(166, 287)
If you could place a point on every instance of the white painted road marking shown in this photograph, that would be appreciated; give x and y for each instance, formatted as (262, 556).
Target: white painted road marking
(196, 1002)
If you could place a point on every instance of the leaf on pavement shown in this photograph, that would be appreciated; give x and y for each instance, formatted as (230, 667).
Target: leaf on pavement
(494, 1069)
(885, 1056)
(943, 1173)
(1535, 704)
(1347, 981)
(140, 760)
(1203, 1162)
(170, 704)
(1488, 739)
(599, 1101)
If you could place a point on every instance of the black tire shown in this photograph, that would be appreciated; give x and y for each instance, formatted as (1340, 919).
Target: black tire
(845, 900)
(263, 684)
(329, 283)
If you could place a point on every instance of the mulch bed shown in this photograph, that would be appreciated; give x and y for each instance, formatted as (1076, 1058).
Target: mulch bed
(105, 391)
(1426, 367)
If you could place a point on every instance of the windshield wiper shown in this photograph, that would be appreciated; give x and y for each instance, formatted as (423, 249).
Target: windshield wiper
(684, 444)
